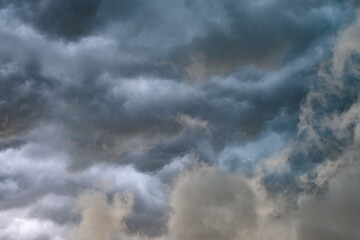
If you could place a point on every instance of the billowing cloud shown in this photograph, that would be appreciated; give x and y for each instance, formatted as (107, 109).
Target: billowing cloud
(100, 220)
(210, 204)
(71, 20)
(335, 213)
(135, 95)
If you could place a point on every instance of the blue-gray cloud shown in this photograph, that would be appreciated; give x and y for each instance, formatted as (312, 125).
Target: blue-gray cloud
(142, 87)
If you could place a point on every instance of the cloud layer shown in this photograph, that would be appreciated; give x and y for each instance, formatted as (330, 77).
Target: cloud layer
(221, 120)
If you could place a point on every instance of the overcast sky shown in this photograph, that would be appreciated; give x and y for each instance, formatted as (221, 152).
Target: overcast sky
(179, 120)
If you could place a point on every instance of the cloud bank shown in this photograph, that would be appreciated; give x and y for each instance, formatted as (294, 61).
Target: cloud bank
(217, 120)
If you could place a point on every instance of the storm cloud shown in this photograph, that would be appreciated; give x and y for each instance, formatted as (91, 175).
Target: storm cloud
(219, 120)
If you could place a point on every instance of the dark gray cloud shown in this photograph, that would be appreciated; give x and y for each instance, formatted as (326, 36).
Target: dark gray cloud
(127, 94)
(71, 20)
(15, 143)
(265, 35)
(183, 41)
(117, 128)
(22, 98)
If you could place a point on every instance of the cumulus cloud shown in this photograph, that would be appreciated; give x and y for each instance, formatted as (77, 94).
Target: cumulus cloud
(100, 219)
(210, 204)
(334, 214)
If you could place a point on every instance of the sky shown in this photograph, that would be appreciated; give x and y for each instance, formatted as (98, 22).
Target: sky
(179, 120)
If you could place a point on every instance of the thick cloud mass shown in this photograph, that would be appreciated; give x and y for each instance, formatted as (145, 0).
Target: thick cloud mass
(100, 220)
(220, 119)
(209, 204)
(71, 20)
